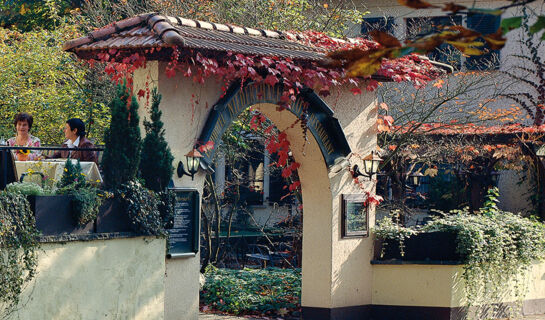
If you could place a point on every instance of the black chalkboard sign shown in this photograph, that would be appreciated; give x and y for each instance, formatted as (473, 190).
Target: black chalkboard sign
(183, 240)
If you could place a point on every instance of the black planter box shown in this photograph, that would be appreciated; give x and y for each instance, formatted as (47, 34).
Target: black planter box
(54, 216)
(112, 217)
(433, 246)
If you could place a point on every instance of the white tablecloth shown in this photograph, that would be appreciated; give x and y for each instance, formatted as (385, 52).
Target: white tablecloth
(54, 168)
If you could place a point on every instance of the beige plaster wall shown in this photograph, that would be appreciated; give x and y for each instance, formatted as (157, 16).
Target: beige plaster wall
(441, 285)
(352, 272)
(336, 272)
(185, 106)
(102, 279)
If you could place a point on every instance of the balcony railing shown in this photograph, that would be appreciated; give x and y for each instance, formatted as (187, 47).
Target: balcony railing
(8, 171)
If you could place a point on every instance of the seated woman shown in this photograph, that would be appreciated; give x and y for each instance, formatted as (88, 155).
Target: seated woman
(74, 131)
(23, 124)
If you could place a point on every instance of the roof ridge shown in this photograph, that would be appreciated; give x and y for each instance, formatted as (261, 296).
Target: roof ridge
(225, 27)
(106, 31)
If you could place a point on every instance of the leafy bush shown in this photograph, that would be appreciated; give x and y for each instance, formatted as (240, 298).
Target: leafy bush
(85, 204)
(28, 189)
(496, 247)
(141, 206)
(18, 247)
(271, 291)
(391, 229)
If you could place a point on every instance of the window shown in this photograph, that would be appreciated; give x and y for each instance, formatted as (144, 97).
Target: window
(422, 26)
(385, 24)
(485, 24)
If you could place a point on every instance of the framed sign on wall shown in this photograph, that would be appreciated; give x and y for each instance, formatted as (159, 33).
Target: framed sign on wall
(183, 240)
(354, 216)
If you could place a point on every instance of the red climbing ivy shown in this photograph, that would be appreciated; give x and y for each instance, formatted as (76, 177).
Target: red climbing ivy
(293, 75)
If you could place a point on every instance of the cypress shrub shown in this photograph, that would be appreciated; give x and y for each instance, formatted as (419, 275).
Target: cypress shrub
(155, 159)
(122, 140)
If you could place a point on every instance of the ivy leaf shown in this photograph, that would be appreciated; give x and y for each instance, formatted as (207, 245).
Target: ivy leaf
(539, 25)
(431, 172)
(494, 12)
(467, 47)
(453, 7)
(495, 41)
(384, 39)
(416, 4)
(510, 24)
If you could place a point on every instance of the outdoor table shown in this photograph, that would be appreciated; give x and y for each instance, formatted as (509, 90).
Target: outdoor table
(54, 168)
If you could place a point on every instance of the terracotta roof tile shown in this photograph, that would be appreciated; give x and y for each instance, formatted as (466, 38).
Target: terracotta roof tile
(153, 30)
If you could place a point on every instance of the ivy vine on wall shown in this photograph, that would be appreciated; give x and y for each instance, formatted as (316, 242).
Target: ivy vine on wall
(18, 246)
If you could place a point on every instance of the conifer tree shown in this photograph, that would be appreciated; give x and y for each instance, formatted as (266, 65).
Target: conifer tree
(122, 140)
(156, 159)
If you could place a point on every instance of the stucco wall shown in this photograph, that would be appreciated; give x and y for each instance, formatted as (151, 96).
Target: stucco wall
(336, 272)
(185, 106)
(441, 285)
(101, 279)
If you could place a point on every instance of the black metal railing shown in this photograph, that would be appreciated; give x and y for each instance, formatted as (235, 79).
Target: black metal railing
(7, 160)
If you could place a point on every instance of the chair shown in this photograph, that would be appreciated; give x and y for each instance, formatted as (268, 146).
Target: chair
(8, 172)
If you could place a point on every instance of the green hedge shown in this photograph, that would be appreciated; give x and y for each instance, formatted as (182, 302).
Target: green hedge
(265, 291)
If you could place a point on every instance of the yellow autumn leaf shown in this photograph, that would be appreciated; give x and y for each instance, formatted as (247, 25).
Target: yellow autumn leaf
(431, 172)
(23, 9)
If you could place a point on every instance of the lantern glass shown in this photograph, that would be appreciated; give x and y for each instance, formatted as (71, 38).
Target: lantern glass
(375, 165)
(416, 180)
(368, 166)
(192, 164)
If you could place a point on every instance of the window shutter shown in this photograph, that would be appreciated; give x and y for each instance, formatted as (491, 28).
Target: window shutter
(485, 24)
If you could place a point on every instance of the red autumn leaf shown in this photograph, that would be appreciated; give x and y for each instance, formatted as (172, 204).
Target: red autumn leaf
(286, 172)
(207, 146)
(356, 91)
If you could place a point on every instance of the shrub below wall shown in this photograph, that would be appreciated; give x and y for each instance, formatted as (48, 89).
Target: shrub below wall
(270, 291)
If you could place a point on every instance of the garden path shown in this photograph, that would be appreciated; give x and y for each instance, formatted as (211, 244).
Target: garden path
(212, 316)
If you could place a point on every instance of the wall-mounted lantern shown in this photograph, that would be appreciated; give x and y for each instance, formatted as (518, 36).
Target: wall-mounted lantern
(415, 178)
(370, 166)
(494, 177)
(192, 161)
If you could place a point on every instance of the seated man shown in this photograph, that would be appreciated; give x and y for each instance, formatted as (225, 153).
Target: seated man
(74, 131)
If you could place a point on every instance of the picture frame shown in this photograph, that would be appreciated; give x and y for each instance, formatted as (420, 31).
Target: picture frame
(354, 216)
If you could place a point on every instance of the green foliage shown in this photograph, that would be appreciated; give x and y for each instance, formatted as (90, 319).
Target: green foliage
(40, 78)
(122, 140)
(85, 197)
(331, 17)
(155, 159)
(29, 189)
(141, 206)
(27, 15)
(17, 247)
(496, 248)
(72, 177)
(390, 228)
(85, 204)
(490, 205)
(447, 192)
(261, 291)
(166, 208)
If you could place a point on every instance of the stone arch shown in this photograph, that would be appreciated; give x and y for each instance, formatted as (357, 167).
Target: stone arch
(322, 125)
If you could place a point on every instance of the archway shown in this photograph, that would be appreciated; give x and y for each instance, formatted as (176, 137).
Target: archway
(336, 272)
